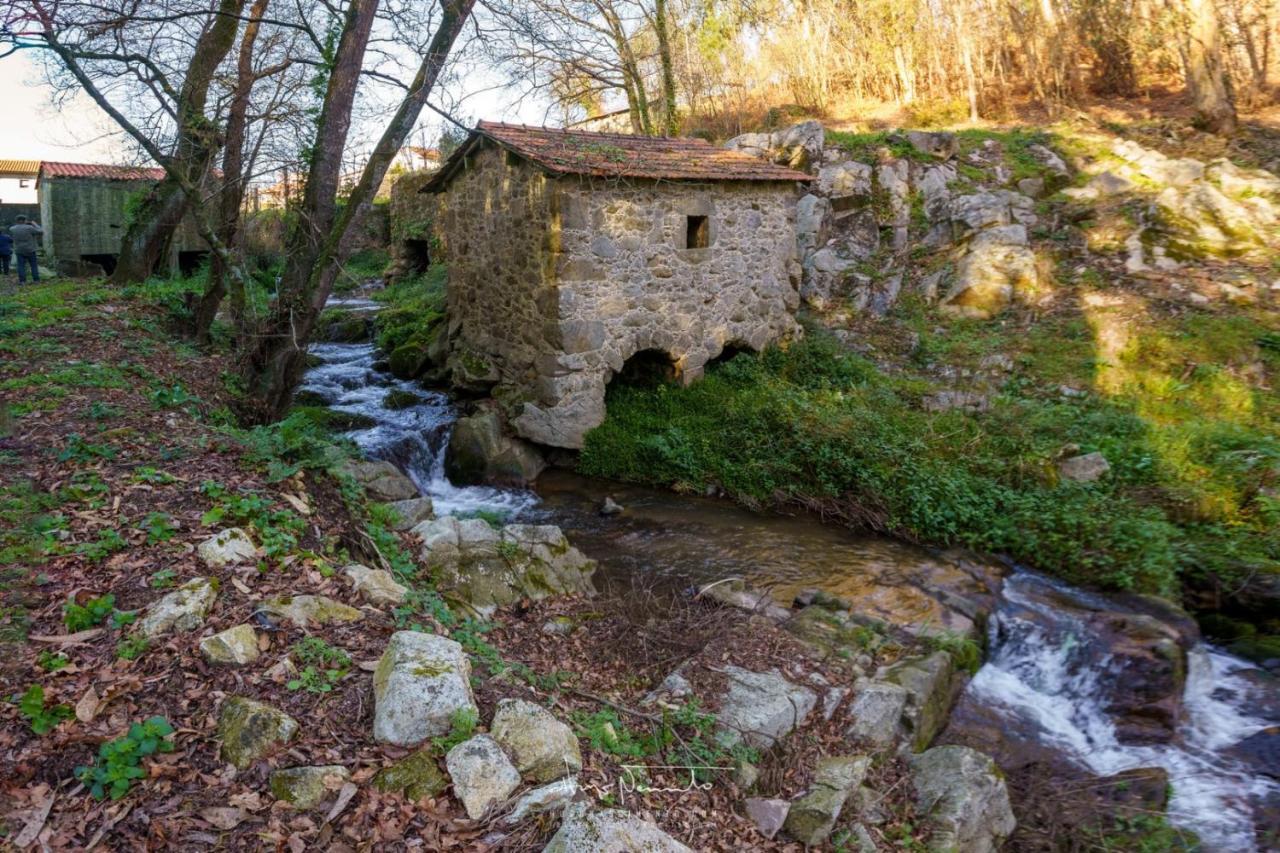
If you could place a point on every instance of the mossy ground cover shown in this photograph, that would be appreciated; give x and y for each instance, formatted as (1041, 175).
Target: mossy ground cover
(1181, 404)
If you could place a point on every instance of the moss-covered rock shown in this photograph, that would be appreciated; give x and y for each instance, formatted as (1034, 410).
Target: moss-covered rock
(304, 610)
(184, 609)
(415, 776)
(543, 747)
(307, 787)
(398, 399)
(249, 730)
(234, 646)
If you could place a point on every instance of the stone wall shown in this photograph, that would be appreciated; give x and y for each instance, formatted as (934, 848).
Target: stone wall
(555, 283)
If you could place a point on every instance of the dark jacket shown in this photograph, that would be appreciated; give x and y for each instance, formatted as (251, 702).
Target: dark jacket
(6, 244)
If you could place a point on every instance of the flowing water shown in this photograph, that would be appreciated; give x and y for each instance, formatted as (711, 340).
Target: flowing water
(1042, 673)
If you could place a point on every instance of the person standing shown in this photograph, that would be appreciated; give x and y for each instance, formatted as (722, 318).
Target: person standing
(6, 252)
(25, 244)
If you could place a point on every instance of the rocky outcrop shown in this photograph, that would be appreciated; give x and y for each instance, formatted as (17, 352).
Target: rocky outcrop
(234, 647)
(996, 265)
(381, 480)
(488, 568)
(481, 451)
(544, 749)
(184, 609)
(609, 831)
(307, 787)
(813, 816)
(876, 713)
(483, 776)
(227, 548)
(761, 707)
(250, 730)
(931, 688)
(411, 512)
(799, 146)
(961, 794)
(421, 682)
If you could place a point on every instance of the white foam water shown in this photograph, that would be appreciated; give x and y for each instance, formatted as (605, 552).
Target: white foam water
(1035, 677)
(413, 438)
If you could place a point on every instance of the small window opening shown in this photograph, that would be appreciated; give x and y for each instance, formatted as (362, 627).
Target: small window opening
(698, 233)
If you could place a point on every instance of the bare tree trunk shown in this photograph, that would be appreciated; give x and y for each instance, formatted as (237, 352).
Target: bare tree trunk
(319, 242)
(669, 117)
(1207, 81)
(231, 194)
(157, 220)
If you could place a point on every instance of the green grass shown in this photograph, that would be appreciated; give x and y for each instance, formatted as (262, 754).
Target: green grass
(414, 307)
(816, 424)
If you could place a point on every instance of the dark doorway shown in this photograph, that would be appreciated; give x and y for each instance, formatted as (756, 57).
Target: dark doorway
(107, 262)
(189, 262)
(698, 232)
(417, 254)
(730, 351)
(647, 368)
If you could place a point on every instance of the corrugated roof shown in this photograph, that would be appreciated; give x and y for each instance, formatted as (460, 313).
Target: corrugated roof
(18, 168)
(100, 171)
(616, 155)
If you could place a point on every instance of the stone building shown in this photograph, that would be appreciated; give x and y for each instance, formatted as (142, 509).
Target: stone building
(84, 211)
(576, 255)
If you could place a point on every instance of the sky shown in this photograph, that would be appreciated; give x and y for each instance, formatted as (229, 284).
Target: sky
(33, 128)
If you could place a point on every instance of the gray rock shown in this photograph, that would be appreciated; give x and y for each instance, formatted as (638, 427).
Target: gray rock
(1100, 186)
(847, 180)
(768, 815)
(235, 646)
(813, 816)
(609, 831)
(376, 586)
(381, 480)
(488, 569)
(480, 451)
(412, 512)
(997, 264)
(304, 610)
(544, 748)
(250, 730)
(762, 707)
(945, 401)
(939, 144)
(734, 593)
(1085, 468)
(962, 796)
(227, 548)
(550, 797)
(1033, 187)
(1050, 160)
(876, 712)
(930, 684)
(307, 787)
(482, 775)
(421, 682)
(610, 507)
(184, 609)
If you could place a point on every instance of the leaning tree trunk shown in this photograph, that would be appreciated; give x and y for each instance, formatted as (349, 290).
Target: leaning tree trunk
(276, 363)
(155, 223)
(231, 194)
(1208, 83)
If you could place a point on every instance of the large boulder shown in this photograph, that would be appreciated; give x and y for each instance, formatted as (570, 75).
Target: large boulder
(483, 776)
(1201, 220)
(876, 713)
(609, 831)
(961, 794)
(799, 146)
(996, 265)
(184, 609)
(939, 144)
(813, 816)
(931, 688)
(411, 512)
(421, 683)
(481, 451)
(381, 480)
(250, 730)
(543, 747)
(488, 568)
(762, 707)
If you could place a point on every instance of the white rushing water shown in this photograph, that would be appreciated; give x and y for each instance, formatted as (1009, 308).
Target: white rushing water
(413, 437)
(1036, 677)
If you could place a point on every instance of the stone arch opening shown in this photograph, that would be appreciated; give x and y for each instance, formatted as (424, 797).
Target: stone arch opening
(416, 254)
(648, 368)
(731, 350)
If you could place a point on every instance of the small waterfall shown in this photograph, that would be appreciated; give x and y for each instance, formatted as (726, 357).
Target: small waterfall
(1044, 676)
(413, 438)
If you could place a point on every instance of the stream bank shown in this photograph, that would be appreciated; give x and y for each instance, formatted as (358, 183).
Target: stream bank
(1187, 714)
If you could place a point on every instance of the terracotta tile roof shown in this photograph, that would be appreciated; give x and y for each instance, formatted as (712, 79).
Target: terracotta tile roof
(616, 155)
(18, 168)
(100, 171)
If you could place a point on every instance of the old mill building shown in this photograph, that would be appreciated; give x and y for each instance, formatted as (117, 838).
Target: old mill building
(574, 256)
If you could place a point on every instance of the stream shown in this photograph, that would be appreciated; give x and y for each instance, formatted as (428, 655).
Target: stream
(1045, 680)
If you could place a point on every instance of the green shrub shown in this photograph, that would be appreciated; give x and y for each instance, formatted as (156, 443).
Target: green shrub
(42, 719)
(80, 617)
(119, 761)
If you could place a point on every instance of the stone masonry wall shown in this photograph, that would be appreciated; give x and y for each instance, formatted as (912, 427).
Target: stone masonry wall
(555, 283)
